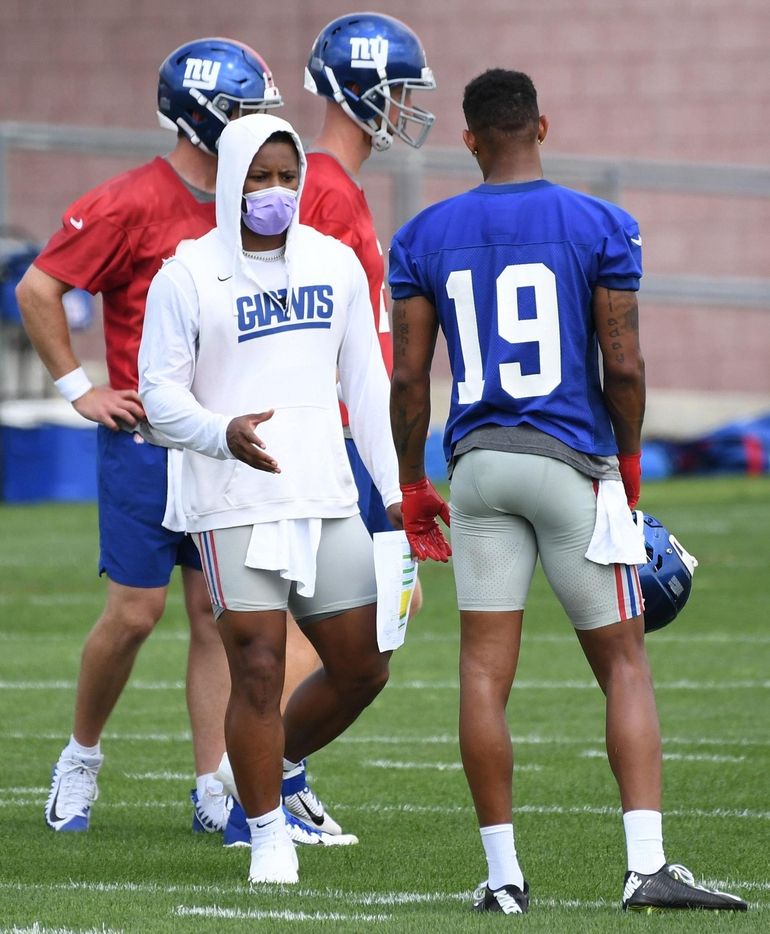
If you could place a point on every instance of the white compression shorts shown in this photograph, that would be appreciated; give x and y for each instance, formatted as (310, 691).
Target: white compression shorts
(344, 573)
(509, 508)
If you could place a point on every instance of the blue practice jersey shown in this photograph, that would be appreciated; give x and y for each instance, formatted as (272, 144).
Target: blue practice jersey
(511, 270)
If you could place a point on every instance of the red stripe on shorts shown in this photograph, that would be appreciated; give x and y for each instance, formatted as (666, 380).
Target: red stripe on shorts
(215, 568)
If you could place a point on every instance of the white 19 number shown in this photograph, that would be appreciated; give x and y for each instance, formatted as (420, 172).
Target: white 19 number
(542, 329)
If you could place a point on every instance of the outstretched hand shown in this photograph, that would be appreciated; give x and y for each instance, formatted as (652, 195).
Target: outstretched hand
(245, 444)
(420, 506)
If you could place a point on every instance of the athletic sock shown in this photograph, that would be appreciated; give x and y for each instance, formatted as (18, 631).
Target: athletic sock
(500, 850)
(74, 748)
(644, 841)
(206, 784)
(289, 767)
(263, 826)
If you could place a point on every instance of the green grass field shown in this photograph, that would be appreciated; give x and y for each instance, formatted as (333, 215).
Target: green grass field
(395, 777)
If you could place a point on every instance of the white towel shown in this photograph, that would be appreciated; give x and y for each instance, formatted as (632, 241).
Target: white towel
(288, 546)
(174, 517)
(617, 539)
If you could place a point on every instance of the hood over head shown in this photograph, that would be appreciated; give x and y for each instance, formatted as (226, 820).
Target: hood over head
(240, 141)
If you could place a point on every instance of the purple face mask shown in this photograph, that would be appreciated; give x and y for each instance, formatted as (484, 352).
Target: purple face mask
(270, 210)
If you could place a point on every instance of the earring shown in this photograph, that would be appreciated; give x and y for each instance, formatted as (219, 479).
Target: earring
(475, 153)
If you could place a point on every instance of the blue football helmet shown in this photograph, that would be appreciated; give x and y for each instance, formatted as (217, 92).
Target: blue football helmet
(203, 83)
(369, 64)
(666, 578)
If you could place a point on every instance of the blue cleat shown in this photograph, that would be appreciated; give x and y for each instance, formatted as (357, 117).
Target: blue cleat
(300, 800)
(237, 831)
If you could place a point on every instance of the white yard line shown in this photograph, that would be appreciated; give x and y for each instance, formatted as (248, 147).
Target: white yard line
(668, 756)
(49, 638)
(587, 685)
(364, 899)
(260, 914)
(431, 766)
(181, 635)
(409, 808)
(36, 928)
(158, 776)
(438, 739)
(70, 685)
(568, 638)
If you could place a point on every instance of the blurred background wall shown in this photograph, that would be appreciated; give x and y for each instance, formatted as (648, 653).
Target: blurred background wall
(677, 94)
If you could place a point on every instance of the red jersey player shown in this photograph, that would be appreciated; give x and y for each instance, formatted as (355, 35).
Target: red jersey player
(366, 65)
(113, 240)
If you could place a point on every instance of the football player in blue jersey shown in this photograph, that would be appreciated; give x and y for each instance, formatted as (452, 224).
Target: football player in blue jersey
(534, 286)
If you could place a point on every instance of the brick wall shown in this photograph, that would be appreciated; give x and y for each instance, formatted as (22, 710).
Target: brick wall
(687, 80)
(657, 79)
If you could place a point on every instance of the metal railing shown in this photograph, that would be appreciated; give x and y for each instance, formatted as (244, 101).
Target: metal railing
(408, 169)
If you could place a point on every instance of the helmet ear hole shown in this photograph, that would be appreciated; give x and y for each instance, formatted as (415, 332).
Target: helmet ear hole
(666, 578)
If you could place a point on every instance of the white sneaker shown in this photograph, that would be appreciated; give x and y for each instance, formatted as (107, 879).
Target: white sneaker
(73, 791)
(303, 834)
(298, 798)
(301, 801)
(274, 859)
(211, 809)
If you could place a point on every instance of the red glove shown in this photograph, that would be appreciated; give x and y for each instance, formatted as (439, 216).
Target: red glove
(631, 474)
(420, 506)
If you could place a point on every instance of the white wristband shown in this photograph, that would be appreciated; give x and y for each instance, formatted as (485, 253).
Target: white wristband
(73, 385)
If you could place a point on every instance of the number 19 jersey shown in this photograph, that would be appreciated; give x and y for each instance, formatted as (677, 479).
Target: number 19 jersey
(511, 270)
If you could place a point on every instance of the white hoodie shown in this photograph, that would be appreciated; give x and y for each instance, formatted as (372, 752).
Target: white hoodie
(215, 346)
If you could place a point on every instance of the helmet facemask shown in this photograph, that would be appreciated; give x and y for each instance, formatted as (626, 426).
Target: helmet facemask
(372, 87)
(394, 114)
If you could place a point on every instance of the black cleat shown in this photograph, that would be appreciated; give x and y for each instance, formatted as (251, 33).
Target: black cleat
(509, 899)
(672, 887)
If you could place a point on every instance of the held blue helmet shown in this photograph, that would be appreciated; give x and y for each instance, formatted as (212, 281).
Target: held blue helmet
(666, 578)
(369, 64)
(204, 83)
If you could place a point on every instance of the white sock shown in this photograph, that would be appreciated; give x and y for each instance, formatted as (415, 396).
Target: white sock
(206, 784)
(644, 841)
(289, 767)
(82, 752)
(263, 826)
(500, 850)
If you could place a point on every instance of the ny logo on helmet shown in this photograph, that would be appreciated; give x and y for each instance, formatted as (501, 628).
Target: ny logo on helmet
(368, 53)
(201, 73)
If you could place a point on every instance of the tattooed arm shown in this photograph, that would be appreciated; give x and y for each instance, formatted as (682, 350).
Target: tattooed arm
(415, 326)
(616, 316)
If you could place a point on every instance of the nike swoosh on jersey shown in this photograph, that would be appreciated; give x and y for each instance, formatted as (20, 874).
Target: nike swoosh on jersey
(77, 222)
(224, 278)
(636, 240)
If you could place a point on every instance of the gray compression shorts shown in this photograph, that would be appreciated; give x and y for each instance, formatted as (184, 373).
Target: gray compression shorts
(344, 573)
(507, 509)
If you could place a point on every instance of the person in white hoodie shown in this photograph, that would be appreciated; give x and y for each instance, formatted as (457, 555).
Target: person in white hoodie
(247, 331)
